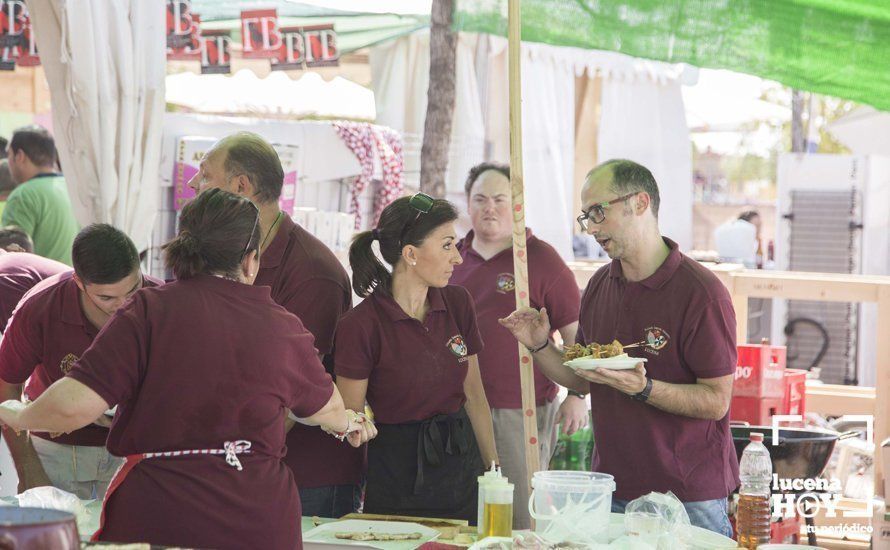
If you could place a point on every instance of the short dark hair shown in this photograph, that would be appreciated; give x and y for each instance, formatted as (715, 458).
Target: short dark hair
(368, 272)
(216, 230)
(103, 254)
(477, 171)
(6, 182)
(37, 143)
(749, 215)
(629, 177)
(12, 234)
(249, 154)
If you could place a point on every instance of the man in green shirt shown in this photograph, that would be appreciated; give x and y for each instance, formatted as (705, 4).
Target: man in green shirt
(40, 204)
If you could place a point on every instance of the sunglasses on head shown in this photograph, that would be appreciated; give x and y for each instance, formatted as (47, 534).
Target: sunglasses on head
(421, 202)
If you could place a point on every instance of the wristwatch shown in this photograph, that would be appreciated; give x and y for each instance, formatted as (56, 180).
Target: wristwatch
(643, 396)
(579, 395)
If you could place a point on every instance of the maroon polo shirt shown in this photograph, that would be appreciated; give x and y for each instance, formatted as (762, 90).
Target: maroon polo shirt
(686, 315)
(19, 272)
(414, 369)
(47, 333)
(191, 365)
(308, 281)
(491, 283)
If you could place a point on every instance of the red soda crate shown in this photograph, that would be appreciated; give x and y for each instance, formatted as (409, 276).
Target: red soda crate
(785, 531)
(794, 401)
(759, 371)
(755, 410)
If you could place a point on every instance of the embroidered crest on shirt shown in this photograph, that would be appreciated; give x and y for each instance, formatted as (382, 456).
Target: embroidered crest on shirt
(506, 283)
(656, 339)
(67, 363)
(457, 346)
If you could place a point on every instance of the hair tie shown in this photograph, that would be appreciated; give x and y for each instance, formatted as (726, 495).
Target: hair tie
(375, 234)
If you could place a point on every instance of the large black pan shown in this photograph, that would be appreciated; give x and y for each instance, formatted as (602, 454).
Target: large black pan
(799, 454)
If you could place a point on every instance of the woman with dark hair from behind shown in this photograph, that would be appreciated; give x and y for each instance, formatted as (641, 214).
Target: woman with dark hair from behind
(203, 371)
(410, 349)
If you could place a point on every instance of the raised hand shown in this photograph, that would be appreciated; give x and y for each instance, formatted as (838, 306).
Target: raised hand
(528, 325)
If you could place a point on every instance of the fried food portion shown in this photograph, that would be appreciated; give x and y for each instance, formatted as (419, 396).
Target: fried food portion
(594, 351)
(372, 536)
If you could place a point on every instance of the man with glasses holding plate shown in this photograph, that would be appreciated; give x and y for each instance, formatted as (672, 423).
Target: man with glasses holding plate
(663, 426)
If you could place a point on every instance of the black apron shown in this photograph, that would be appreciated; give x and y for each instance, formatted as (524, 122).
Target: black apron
(427, 468)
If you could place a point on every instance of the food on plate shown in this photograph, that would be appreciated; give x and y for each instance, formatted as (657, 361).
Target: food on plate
(372, 536)
(594, 351)
(463, 538)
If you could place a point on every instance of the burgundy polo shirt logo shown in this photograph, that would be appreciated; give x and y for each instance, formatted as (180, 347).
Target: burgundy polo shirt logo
(67, 362)
(457, 346)
(656, 339)
(506, 283)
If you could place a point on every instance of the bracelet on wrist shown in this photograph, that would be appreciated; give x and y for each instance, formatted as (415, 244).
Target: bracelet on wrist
(539, 348)
(579, 395)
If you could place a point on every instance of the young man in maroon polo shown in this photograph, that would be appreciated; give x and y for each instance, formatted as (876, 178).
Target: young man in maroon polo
(55, 322)
(487, 272)
(19, 272)
(662, 426)
(308, 281)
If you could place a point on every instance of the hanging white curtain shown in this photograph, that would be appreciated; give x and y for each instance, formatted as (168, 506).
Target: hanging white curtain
(644, 121)
(105, 64)
(400, 78)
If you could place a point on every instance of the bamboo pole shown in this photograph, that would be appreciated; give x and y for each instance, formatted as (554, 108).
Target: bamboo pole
(520, 256)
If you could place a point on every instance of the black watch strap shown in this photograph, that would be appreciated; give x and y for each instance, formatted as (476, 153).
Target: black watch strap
(643, 396)
(579, 395)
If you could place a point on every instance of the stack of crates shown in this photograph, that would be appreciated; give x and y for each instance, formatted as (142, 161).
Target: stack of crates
(763, 387)
(758, 391)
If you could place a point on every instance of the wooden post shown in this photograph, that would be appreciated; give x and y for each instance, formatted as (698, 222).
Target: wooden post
(882, 385)
(520, 256)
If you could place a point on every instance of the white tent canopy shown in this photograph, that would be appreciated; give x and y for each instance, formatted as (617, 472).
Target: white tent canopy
(865, 131)
(276, 94)
(642, 120)
(108, 105)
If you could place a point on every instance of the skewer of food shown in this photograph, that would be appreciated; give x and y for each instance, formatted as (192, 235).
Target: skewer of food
(594, 351)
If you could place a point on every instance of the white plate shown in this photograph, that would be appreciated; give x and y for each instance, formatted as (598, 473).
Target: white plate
(325, 534)
(619, 362)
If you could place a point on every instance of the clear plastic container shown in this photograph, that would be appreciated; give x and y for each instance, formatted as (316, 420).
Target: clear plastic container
(755, 473)
(492, 475)
(572, 506)
(497, 516)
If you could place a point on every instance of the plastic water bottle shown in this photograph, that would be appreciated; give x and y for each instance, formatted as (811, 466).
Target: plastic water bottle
(753, 516)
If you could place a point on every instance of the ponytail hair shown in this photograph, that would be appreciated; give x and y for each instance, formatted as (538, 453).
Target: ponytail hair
(217, 230)
(400, 225)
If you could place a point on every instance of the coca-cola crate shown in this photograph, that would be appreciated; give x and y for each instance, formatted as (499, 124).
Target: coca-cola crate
(794, 400)
(759, 371)
(755, 410)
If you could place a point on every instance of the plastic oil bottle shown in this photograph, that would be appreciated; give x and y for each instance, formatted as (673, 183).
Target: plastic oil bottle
(753, 516)
(491, 476)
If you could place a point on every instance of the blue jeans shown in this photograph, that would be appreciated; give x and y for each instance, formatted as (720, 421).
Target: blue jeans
(332, 501)
(707, 514)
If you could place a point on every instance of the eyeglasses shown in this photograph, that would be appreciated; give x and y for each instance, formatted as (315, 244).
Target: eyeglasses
(252, 231)
(421, 202)
(597, 212)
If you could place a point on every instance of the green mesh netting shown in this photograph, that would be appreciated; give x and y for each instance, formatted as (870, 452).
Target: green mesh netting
(833, 47)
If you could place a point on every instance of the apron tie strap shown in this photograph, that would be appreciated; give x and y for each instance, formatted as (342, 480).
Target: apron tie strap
(233, 449)
(430, 447)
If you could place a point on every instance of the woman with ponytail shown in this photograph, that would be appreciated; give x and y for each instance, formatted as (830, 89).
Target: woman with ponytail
(409, 349)
(203, 371)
